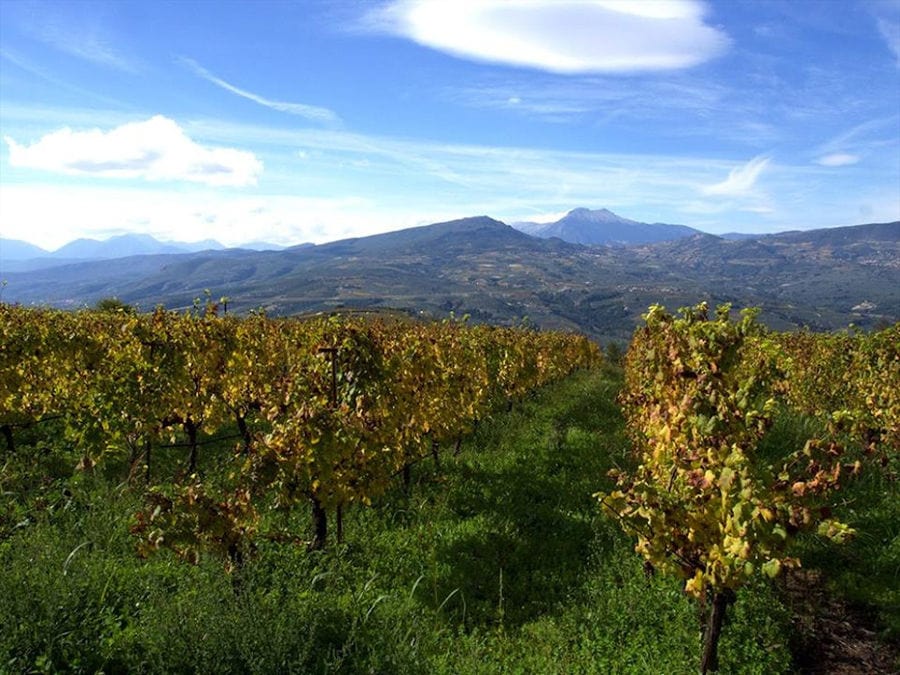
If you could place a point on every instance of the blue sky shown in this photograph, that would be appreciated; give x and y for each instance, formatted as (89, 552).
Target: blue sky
(316, 120)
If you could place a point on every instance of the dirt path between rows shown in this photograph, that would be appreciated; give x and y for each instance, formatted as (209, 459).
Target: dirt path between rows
(834, 638)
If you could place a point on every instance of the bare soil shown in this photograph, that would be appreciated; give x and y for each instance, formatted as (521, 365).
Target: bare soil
(832, 636)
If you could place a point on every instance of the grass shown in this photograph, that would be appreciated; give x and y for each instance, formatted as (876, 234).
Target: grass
(502, 562)
(866, 570)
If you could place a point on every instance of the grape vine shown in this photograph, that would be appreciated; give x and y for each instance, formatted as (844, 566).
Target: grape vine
(700, 393)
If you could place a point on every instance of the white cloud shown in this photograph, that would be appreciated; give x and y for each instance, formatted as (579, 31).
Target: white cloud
(740, 181)
(52, 215)
(561, 36)
(156, 149)
(326, 184)
(838, 159)
(310, 112)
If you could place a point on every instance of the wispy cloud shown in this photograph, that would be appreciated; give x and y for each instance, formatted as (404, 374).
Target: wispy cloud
(741, 180)
(873, 137)
(838, 159)
(507, 182)
(560, 36)
(310, 112)
(703, 108)
(35, 71)
(156, 150)
(887, 15)
(719, 207)
(77, 33)
(890, 31)
(90, 48)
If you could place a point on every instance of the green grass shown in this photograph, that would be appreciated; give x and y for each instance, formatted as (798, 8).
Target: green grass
(502, 562)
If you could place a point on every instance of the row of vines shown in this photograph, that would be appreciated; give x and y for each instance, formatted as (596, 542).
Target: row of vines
(325, 411)
(708, 501)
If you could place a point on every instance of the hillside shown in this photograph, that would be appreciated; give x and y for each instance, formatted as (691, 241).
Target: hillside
(824, 279)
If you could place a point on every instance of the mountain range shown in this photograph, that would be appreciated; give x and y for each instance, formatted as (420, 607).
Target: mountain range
(20, 256)
(823, 279)
(579, 226)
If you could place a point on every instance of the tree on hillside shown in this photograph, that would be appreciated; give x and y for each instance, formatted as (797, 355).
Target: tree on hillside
(112, 305)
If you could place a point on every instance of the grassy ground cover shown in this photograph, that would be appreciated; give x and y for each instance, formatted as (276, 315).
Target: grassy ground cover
(501, 562)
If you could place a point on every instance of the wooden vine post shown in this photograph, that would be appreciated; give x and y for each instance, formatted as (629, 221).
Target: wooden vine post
(319, 514)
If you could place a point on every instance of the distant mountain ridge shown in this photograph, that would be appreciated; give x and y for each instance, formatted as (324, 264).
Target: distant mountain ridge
(126, 245)
(602, 227)
(823, 279)
(95, 249)
(15, 249)
(20, 256)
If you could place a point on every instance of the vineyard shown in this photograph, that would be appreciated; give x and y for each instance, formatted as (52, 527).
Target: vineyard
(327, 411)
(205, 492)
